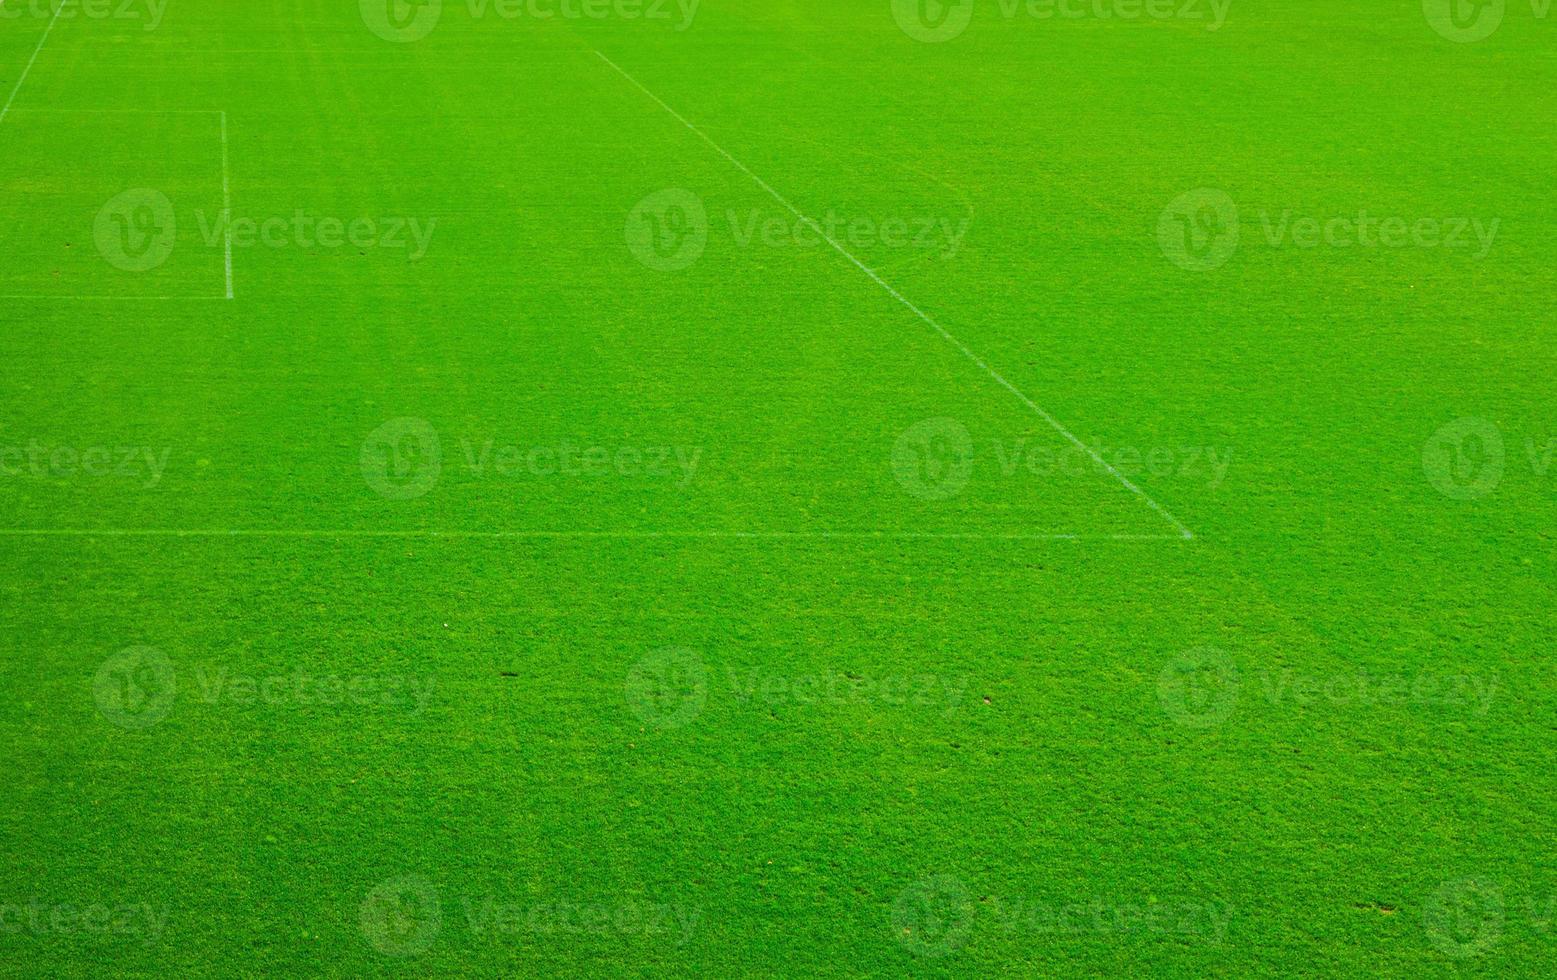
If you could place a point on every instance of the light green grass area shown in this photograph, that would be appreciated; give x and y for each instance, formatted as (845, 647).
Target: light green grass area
(778, 487)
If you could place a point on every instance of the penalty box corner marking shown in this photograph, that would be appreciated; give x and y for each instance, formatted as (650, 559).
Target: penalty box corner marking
(1050, 420)
(221, 116)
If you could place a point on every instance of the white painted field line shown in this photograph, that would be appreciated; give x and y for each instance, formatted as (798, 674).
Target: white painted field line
(23, 77)
(79, 111)
(226, 207)
(1053, 423)
(105, 299)
(325, 533)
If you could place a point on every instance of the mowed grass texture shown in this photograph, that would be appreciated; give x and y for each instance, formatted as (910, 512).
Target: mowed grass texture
(784, 488)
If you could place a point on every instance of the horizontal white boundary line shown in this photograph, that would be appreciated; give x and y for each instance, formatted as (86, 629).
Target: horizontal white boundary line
(106, 299)
(128, 112)
(81, 532)
(967, 352)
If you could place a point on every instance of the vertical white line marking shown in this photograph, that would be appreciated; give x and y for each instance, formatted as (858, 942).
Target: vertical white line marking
(226, 207)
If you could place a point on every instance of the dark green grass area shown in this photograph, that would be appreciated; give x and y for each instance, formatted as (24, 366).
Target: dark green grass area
(501, 601)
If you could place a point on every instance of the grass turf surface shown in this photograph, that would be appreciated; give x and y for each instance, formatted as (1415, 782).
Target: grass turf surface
(835, 656)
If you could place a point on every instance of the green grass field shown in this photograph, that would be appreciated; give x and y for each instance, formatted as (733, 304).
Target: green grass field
(778, 487)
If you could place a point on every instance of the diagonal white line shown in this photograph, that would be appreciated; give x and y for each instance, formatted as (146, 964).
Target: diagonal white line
(7, 110)
(1054, 423)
